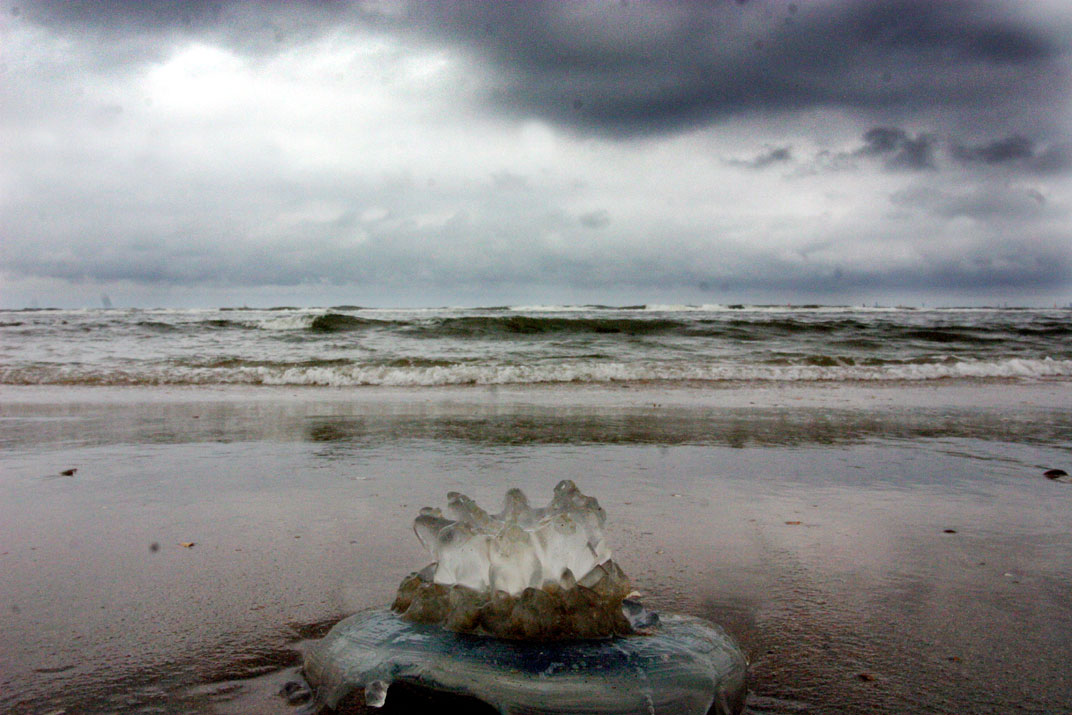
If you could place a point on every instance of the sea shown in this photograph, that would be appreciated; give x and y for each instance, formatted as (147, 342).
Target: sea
(352, 346)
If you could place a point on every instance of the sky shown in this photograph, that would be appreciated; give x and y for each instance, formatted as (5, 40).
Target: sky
(197, 154)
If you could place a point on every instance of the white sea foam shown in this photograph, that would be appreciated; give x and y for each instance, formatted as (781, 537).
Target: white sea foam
(676, 308)
(551, 309)
(578, 372)
(289, 321)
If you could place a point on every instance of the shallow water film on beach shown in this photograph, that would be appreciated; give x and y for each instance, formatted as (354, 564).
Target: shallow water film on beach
(872, 549)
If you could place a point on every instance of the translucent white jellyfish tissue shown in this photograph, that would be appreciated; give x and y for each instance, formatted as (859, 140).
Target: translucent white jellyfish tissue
(518, 547)
(526, 611)
(532, 574)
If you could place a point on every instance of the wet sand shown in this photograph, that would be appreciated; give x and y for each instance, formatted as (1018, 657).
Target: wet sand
(875, 549)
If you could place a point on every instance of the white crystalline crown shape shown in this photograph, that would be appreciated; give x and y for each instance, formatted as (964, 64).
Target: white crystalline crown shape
(525, 573)
(518, 548)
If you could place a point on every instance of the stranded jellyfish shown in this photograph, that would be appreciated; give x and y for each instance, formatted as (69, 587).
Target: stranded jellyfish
(526, 611)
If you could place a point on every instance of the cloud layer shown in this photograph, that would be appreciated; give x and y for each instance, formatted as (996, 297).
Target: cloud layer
(406, 153)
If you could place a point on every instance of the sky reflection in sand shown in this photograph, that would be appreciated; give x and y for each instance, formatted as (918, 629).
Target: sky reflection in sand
(300, 511)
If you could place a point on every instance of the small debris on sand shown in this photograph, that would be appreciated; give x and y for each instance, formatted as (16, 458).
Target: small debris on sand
(187, 544)
(1055, 473)
(295, 693)
(69, 472)
(949, 531)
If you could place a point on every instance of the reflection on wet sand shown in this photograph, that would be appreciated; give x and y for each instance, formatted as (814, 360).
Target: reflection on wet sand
(817, 535)
(361, 427)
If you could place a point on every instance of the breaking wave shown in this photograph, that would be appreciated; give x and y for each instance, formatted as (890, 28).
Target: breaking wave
(339, 322)
(485, 326)
(340, 373)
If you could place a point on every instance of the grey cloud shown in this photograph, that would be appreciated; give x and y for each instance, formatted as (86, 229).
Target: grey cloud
(980, 272)
(778, 155)
(984, 266)
(401, 266)
(914, 154)
(899, 149)
(996, 152)
(894, 147)
(651, 67)
(113, 225)
(509, 181)
(129, 32)
(113, 201)
(647, 67)
(882, 140)
(1037, 196)
(1016, 150)
(595, 219)
(1055, 158)
(990, 203)
(470, 251)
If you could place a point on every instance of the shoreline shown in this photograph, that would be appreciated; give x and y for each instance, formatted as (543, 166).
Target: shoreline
(1053, 392)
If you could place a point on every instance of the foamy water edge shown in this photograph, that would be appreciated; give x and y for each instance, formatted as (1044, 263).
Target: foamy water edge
(580, 372)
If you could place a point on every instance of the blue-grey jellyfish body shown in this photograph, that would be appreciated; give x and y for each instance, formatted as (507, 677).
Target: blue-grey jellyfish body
(683, 666)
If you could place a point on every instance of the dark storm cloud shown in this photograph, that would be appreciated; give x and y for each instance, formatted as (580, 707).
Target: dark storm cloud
(650, 67)
(882, 140)
(623, 68)
(1003, 150)
(1016, 150)
(899, 149)
(895, 149)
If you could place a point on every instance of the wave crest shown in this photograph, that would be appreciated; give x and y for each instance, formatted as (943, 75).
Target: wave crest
(334, 373)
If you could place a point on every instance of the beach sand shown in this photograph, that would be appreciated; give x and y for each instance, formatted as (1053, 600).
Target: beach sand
(874, 549)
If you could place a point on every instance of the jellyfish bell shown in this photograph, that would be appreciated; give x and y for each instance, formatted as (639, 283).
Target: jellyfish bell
(687, 667)
(526, 610)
